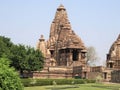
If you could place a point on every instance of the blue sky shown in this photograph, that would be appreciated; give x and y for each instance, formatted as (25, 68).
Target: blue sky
(97, 22)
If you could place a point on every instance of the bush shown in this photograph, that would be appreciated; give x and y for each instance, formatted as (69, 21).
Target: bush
(90, 81)
(9, 79)
(99, 79)
(41, 82)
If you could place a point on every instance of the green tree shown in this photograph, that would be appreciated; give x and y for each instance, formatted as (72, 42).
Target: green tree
(18, 58)
(9, 78)
(26, 58)
(35, 59)
(5, 45)
(91, 55)
(23, 58)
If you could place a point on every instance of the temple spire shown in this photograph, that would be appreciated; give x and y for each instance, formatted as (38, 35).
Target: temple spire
(60, 19)
(61, 15)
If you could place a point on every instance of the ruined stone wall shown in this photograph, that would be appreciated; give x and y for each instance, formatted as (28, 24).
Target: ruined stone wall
(95, 72)
(93, 75)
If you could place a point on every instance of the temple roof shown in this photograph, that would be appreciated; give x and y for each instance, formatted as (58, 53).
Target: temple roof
(115, 48)
(62, 32)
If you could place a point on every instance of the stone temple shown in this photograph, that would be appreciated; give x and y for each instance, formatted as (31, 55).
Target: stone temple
(65, 54)
(112, 71)
(64, 51)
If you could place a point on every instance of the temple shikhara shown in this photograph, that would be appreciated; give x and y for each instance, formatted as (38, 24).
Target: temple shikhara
(112, 71)
(64, 47)
(64, 51)
(65, 54)
(113, 57)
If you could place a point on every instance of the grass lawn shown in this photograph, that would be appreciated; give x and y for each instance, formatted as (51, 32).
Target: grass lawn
(77, 87)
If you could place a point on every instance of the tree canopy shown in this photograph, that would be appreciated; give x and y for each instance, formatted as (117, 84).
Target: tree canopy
(23, 58)
(5, 45)
(91, 55)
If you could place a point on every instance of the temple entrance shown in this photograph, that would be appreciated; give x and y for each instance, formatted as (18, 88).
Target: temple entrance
(52, 53)
(75, 55)
(111, 65)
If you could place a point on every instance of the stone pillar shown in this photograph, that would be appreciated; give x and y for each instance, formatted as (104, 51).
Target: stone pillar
(79, 56)
(71, 55)
(63, 61)
(69, 58)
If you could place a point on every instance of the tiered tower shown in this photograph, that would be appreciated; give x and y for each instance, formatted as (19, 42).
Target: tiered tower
(113, 58)
(64, 45)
